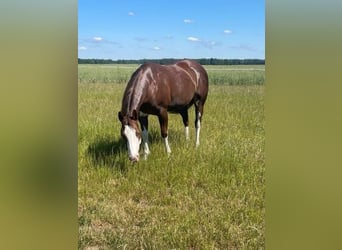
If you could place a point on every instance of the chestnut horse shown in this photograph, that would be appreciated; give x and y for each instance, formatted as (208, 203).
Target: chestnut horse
(157, 89)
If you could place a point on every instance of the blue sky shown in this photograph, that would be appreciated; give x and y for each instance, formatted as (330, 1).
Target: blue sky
(136, 29)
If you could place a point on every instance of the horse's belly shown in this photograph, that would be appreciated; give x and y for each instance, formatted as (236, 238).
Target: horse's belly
(178, 108)
(181, 99)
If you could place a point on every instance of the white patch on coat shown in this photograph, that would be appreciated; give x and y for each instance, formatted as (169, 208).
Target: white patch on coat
(133, 142)
(194, 81)
(197, 76)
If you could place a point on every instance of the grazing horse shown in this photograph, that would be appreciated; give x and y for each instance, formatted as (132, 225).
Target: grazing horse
(157, 89)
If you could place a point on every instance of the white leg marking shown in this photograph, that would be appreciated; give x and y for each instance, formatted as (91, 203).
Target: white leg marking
(145, 143)
(167, 146)
(198, 129)
(187, 133)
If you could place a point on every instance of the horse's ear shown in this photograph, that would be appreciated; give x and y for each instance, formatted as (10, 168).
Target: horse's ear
(135, 115)
(120, 116)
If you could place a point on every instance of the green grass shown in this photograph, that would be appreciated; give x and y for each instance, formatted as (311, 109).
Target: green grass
(205, 198)
(218, 75)
(111, 73)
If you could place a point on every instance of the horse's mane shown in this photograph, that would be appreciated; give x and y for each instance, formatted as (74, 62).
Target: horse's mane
(133, 92)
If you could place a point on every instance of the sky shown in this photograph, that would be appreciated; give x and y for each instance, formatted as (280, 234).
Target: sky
(152, 29)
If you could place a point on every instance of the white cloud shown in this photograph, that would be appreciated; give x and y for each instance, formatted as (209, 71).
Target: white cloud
(156, 48)
(227, 31)
(131, 13)
(82, 48)
(193, 39)
(205, 43)
(169, 37)
(188, 21)
(97, 38)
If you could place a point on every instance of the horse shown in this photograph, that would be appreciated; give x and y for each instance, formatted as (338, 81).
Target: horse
(155, 89)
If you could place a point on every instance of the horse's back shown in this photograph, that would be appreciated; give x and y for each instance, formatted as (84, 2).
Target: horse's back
(174, 84)
(195, 79)
(200, 73)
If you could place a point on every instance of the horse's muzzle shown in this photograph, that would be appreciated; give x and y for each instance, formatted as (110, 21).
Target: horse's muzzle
(134, 159)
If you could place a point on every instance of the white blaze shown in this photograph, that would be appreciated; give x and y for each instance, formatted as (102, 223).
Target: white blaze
(133, 142)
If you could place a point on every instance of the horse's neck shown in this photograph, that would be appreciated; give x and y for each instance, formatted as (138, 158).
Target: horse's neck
(135, 98)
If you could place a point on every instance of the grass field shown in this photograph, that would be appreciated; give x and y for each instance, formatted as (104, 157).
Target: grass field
(212, 197)
(218, 75)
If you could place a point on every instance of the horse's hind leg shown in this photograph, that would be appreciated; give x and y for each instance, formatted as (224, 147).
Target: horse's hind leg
(198, 119)
(143, 119)
(163, 121)
(185, 117)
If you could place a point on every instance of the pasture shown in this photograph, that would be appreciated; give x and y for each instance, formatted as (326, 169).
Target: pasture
(212, 197)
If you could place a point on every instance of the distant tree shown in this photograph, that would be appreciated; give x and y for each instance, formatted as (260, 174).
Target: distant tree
(203, 61)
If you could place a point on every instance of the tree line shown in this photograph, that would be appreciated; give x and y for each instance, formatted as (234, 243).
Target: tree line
(203, 61)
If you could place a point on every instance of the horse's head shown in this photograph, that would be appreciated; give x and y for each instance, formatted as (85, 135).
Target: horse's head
(131, 132)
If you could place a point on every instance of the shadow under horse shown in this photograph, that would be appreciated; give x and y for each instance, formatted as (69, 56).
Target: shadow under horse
(103, 152)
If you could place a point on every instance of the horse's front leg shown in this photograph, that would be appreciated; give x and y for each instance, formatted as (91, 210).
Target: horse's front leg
(185, 117)
(163, 121)
(143, 119)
